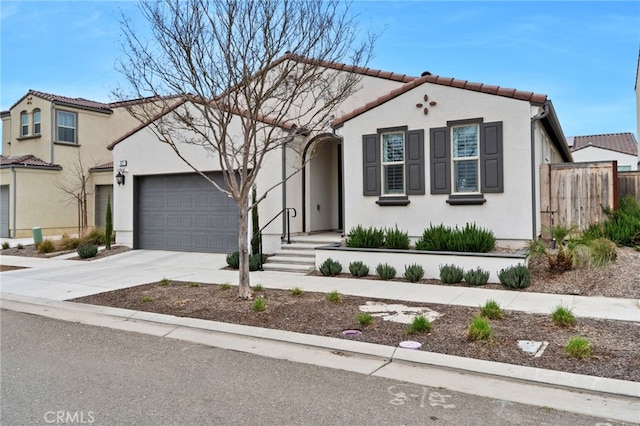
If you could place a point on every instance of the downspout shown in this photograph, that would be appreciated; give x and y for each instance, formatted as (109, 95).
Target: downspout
(284, 186)
(52, 132)
(534, 205)
(15, 199)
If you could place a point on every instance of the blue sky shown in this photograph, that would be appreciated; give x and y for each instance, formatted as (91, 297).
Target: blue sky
(582, 54)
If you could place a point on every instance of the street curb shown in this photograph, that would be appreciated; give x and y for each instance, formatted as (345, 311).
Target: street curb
(164, 325)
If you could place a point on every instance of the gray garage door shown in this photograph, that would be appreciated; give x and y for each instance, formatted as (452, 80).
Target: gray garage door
(4, 211)
(185, 212)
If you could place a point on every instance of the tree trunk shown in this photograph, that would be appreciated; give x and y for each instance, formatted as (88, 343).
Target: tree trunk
(244, 283)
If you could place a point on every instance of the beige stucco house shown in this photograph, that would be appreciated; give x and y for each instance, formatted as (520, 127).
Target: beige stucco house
(406, 151)
(45, 137)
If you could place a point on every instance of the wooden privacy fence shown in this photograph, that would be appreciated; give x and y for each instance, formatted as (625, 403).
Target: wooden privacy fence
(629, 184)
(573, 194)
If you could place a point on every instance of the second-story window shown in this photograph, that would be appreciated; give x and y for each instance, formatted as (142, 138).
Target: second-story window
(66, 125)
(36, 121)
(24, 123)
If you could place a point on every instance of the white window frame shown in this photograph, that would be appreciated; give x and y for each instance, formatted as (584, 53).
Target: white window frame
(459, 159)
(75, 127)
(37, 121)
(386, 164)
(24, 124)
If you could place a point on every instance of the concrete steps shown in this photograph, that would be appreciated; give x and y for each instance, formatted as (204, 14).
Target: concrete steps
(300, 256)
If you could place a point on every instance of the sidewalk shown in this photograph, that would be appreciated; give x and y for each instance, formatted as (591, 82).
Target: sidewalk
(43, 289)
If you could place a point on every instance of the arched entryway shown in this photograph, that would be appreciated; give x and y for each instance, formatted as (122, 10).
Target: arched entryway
(322, 198)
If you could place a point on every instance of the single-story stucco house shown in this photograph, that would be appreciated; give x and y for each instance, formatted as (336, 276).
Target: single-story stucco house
(405, 151)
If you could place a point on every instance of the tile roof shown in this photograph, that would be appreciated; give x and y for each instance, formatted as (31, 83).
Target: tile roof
(620, 142)
(27, 160)
(534, 98)
(102, 167)
(64, 100)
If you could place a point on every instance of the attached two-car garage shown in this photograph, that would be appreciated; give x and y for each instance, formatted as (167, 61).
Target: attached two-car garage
(184, 212)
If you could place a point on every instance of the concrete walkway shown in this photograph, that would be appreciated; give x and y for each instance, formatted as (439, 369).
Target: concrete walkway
(43, 288)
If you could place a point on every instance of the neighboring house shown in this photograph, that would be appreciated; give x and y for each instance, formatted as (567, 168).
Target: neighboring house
(405, 151)
(636, 87)
(621, 147)
(44, 139)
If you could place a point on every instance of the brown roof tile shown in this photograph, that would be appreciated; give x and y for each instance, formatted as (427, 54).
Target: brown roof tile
(64, 100)
(620, 142)
(102, 167)
(27, 160)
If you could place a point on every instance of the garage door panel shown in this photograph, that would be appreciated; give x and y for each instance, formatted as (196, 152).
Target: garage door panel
(185, 213)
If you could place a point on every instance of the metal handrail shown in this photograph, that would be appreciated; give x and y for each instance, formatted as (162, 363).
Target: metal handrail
(286, 209)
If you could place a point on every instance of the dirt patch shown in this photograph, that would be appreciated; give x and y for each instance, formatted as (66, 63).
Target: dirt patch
(616, 353)
(10, 268)
(32, 251)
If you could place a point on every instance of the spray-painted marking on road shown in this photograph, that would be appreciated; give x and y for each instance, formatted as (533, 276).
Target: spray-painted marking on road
(408, 393)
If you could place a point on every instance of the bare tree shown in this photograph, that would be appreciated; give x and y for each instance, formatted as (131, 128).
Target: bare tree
(74, 187)
(242, 93)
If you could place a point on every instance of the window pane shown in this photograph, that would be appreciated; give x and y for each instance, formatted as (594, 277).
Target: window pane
(465, 141)
(36, 122)
(394, 179)
(24, 124)
(393, 147)
(466, 175)
(66, 134)
(66, 119)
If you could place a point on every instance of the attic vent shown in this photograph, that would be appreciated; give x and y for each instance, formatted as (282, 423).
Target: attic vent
(425, 73)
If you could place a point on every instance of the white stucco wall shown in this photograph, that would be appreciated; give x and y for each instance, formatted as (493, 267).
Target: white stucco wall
(508, 214)
(591, 153)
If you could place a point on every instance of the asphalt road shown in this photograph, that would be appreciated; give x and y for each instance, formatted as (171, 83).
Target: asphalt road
(57, 372)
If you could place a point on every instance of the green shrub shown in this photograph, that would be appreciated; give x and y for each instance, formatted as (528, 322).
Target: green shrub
(623, 225)
(434, 238)
(225, 286)
(146, 299)
(233, 260)
(358, 269)
(5, 245)
(563, 317)
(476, 276)
(578, 347)
(451, 274)
(296, 291)
(419, 324)
(68, 243)
(164, 282)
(330, 268)
(194, 285)
(479, 329)
(365, 318)
(46, 246)
(257, 287)
(360, 237)
(108, 228)
(602, 252)
(260, 304)
(396, 239)
(515, 276)
(254, 262)
(471, 238)
(86, 251)
(334, 297)
(491, 310)
(386, 271)
(413, 273)
(19, 246)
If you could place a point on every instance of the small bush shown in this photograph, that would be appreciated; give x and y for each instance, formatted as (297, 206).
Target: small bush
(46, 246)
(233, 260)
(491, 310)
(194, 285)
(476, 276)
(471, 238)
(330, 268)
(257, 287)
(434, 238)
(413, 273)
(365, 318)
(360, 237)
(19, 246)
(165, 282)
(5, 245)
(396, 239)
(296, 291)
(146, 299)
(602, 252)
(358, 269)
(334, 297)
(95, 236)
(563, 317)
(225, 286)
(623, 225)
(451, 274)
(419, 324)
(68, 243)
(515, 277)
(260, 304)
(479, 329)
(86, 251)
(386, 271)
(254, 262)
(578, 347)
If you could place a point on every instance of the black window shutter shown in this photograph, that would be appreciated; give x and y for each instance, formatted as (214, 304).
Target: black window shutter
(414, 162)
(440, 156)
(491, 157)
(371, 165)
